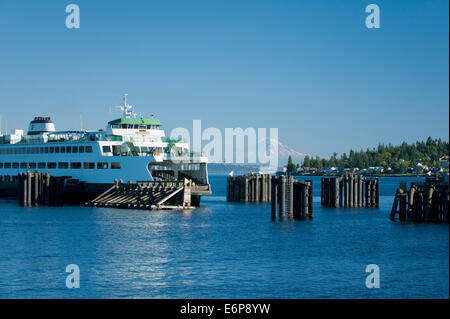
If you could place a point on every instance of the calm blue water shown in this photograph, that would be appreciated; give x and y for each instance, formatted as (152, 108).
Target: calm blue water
(222, 250)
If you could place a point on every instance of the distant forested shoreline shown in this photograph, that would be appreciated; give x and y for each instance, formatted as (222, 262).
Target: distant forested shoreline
(427, 152)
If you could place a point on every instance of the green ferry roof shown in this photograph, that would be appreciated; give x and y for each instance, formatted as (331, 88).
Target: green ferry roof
(130, 120)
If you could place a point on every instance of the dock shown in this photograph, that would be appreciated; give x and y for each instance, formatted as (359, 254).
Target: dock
(150, 195)
(350, 190)
(424, 201)
(40, 189)
(249, 188)
(291, 197)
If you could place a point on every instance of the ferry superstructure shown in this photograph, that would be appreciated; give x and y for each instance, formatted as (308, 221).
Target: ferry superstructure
(130, 148)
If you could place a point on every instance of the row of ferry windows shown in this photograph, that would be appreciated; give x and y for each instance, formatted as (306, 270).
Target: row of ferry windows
(135, 126)
(46, 150)
(53, 165)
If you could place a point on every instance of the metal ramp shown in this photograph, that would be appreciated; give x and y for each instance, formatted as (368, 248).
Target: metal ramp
(151, 195)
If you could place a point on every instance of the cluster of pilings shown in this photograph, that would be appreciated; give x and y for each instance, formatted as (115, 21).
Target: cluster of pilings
(40, 189)
(350, 190)
(151, 195)
(424, 201)
(249, 188)
(292, 197)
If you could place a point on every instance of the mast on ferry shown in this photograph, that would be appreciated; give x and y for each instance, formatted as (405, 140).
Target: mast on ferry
(126, 108)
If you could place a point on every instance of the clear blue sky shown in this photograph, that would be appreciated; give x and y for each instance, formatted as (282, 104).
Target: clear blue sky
(310, 68)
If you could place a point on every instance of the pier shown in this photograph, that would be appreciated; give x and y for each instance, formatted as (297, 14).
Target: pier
(291, 197)
(424, 201)
(350, 190)
(150, 195)
(249, 188)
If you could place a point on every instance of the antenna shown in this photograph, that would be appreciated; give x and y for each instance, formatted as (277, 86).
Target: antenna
(81, 122)
(126, 108)
(125, 99)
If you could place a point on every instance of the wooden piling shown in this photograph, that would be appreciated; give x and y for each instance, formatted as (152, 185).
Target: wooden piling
(274, 196)
(290, 198)
(349, 190)
(425, 201)
(282, 196)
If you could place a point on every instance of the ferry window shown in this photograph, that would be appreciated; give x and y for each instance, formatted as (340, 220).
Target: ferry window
(75, 165)
(106, 149)
(74, 149)
(115, 165)
(45, 149)
(41, 150)
(41, 165)
(35, 150)
(15, 165)
(57, 149)
(81, 149)
(101, 165)
(149, 127)
(51, 165)
(52, 150)
(63, 149)
(32, 165)
(23, 165)
(1, 165)
(88, 165)
(63, 165)
(142, 127)
(88, 149)
(7, 165)
(124, 126)
(68, 149)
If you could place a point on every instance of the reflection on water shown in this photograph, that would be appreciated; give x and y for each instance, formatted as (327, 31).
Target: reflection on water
(222, 249)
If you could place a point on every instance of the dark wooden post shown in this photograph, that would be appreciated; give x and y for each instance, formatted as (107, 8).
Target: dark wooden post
(290, 199)
(274, 196)
(377, 192)
(336, 192)
(282, 196)
(322, 192)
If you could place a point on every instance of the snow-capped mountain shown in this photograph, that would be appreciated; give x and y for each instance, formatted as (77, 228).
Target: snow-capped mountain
(284, 152)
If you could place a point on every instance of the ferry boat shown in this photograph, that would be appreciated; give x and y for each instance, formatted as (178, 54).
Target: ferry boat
(131, 148)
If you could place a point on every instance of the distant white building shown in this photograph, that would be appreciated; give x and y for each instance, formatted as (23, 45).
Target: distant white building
(376, 169)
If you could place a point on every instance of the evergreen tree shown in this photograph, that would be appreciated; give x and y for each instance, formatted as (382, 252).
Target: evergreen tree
(291, 167)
